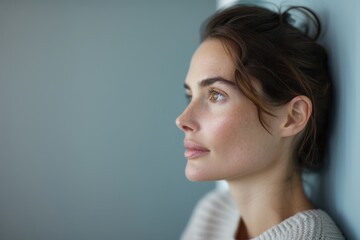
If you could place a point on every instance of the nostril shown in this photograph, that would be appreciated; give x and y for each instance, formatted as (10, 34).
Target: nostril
(183, 125)
(186, 128)
(179, 124)
(186, 121)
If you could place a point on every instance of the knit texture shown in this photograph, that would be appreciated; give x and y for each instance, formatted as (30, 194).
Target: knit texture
(216, 217)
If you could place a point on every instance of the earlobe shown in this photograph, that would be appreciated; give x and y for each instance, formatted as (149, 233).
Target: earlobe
(298, 112)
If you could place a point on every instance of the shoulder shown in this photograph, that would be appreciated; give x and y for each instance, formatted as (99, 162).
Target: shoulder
(327, 227)
(309, 224)
(215, 215)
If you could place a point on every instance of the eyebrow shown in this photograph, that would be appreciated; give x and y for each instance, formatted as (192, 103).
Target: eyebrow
(209, 81)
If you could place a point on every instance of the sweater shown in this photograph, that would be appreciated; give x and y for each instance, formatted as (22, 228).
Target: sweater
(216, 217)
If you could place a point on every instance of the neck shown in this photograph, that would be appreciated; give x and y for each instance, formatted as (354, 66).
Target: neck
(267, 201)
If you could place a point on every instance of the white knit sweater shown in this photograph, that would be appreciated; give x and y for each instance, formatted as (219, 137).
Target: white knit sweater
(216, 217)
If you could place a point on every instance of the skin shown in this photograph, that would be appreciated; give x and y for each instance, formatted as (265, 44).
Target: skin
(229, 143)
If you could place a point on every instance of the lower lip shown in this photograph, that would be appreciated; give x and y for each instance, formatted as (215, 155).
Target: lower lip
(194, 153)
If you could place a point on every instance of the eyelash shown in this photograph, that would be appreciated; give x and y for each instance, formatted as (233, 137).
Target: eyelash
(213, 92)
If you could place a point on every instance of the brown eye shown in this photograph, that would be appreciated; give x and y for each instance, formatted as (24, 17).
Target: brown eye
(215, 96)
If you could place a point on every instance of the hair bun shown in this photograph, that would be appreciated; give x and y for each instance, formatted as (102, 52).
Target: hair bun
(304, 19)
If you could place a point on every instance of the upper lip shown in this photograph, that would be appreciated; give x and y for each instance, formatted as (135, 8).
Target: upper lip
(189, 144)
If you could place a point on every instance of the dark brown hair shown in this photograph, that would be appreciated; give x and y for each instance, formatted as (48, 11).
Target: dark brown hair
(285, 61)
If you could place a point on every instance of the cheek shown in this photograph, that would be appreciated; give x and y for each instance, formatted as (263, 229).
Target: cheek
(238, 139)
(228, 130)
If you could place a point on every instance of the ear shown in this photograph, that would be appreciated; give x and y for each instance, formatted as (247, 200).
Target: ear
(298, 112)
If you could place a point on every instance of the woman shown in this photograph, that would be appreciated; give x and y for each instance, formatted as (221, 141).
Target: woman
(259, 97)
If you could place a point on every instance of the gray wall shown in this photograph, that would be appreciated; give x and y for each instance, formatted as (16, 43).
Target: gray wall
(89, 92)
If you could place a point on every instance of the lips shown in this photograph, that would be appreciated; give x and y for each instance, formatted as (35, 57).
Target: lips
(194, 150)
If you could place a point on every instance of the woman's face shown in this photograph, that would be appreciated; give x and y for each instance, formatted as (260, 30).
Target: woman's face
(224, 138)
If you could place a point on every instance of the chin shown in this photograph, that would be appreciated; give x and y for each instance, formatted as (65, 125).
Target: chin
(199, 175)
(196, 178)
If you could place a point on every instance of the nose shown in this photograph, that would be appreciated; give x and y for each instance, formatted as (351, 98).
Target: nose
(186, 121)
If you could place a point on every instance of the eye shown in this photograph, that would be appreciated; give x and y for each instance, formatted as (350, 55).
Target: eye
(215, 96)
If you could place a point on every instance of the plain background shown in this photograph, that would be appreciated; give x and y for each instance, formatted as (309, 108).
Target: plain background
(89, 92)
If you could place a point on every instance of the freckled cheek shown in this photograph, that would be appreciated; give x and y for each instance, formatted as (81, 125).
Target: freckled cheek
(234, 136)
(227, 132)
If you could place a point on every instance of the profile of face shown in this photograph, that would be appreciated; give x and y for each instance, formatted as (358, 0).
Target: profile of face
(224, 138)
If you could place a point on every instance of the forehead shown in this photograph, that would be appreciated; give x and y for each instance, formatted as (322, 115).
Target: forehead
(210, 60)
